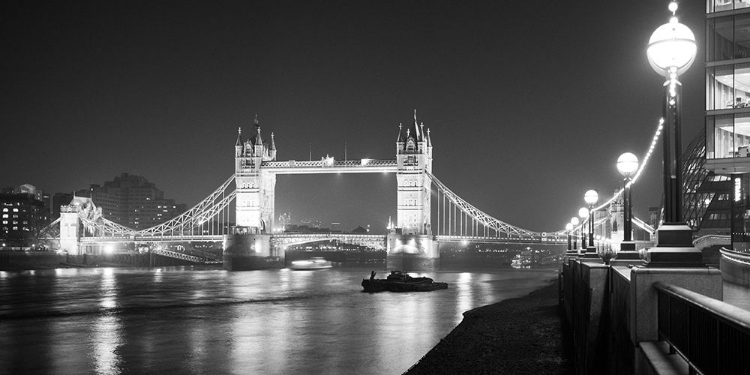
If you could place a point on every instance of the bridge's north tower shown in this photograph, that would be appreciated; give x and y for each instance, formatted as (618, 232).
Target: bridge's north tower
(255, 187)
(248, 246)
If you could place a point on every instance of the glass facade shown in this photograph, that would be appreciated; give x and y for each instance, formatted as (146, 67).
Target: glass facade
(724, 5)
(706, 196)
(728, 80)
(716, 190)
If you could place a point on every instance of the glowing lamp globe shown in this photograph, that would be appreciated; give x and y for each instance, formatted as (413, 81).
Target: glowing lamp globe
(574, 221)
(583, 213)
(591, 197)
(672, 45)
(568, 227)
(627, 164)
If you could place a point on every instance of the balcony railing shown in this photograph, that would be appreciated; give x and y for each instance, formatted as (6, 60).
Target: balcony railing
(712, 336)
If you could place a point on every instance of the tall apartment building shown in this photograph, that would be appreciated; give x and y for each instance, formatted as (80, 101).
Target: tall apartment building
(24, 211)
(133, 201)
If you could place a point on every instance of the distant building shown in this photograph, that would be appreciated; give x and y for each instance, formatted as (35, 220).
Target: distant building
(133, 201)
(25, 211)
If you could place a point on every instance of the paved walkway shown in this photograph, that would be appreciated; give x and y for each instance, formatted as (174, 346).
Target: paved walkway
(517, 336)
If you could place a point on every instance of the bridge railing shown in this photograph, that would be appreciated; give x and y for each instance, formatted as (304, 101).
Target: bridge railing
(712, 336)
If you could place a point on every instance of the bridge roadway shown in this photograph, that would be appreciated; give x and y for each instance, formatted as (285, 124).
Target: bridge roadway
(330, 165)
(375, 241)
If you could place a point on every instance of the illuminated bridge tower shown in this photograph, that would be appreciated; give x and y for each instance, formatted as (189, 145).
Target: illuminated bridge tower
(249, 244)
(410, 244)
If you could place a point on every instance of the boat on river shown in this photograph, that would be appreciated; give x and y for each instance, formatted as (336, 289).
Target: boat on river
(399, 281)
(314, 263)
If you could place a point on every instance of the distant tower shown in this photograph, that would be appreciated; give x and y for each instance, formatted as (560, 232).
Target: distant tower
(255, 187)
(69, 229)
(414, 157)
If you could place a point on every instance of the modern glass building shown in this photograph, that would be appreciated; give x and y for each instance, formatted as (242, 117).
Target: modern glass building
(727, 135)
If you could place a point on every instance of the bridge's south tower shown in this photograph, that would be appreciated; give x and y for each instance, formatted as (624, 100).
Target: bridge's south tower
(410, 245)
(414, 158)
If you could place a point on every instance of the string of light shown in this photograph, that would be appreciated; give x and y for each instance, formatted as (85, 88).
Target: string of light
(619, 192)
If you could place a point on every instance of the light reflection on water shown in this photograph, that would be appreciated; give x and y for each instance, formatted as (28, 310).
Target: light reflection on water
(213, 321)
(106, 342)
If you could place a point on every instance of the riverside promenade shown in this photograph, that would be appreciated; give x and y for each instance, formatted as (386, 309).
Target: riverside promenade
(526, 335)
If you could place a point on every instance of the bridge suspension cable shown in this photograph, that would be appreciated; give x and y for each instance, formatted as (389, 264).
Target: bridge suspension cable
(460, 218)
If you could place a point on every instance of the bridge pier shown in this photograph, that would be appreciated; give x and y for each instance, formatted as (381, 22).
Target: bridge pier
(247, 251)
(412, 252)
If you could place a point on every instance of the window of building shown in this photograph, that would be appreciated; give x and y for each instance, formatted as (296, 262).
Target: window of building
(728, 136)
(713, 6)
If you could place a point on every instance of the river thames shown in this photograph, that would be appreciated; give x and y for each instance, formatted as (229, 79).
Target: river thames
(178, 320)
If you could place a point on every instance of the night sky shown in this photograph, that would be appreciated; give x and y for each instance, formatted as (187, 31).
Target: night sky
(529, 103)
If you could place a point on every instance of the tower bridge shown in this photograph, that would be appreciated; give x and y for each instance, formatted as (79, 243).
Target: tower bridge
(251, 243)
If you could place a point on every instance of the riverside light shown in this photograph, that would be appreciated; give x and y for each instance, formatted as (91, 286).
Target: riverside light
(583, 213)
(569, 228)
(574, 220)
(591, 197)
(671, 48)
(671, 51)
(627, 164)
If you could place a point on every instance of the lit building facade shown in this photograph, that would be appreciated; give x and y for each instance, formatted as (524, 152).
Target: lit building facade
(23, 214)
(727, 135)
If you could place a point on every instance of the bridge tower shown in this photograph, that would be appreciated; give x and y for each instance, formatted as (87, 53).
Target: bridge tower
(69, 229)
(249, 244)
(410, 245)
(255, 187)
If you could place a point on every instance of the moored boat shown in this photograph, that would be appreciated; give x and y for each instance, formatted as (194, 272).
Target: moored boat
(399, 281)
(315, 263)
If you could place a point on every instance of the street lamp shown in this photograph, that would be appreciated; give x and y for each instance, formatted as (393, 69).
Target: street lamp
(569, 228)
(583, 213)
(627, 164)
(591, 197)
(671, 51)
(575, 223)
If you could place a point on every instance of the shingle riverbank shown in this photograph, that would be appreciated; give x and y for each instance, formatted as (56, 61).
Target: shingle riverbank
(526, 335)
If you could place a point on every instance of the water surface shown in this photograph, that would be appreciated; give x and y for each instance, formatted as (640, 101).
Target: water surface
(177, 320)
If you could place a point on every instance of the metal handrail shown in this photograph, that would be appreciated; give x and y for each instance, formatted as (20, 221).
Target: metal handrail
(712, 336)
(711, 240)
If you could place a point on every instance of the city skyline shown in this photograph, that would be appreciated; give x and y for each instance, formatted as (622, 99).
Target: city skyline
(529, 106)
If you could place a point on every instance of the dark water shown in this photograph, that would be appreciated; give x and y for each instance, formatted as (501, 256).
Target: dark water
(173, 320)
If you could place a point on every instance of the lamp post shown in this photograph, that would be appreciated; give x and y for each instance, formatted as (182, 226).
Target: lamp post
(591, 197)
(583, 213)
(569, 228)
(627, 164)
(671, 51)
(575, 223)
